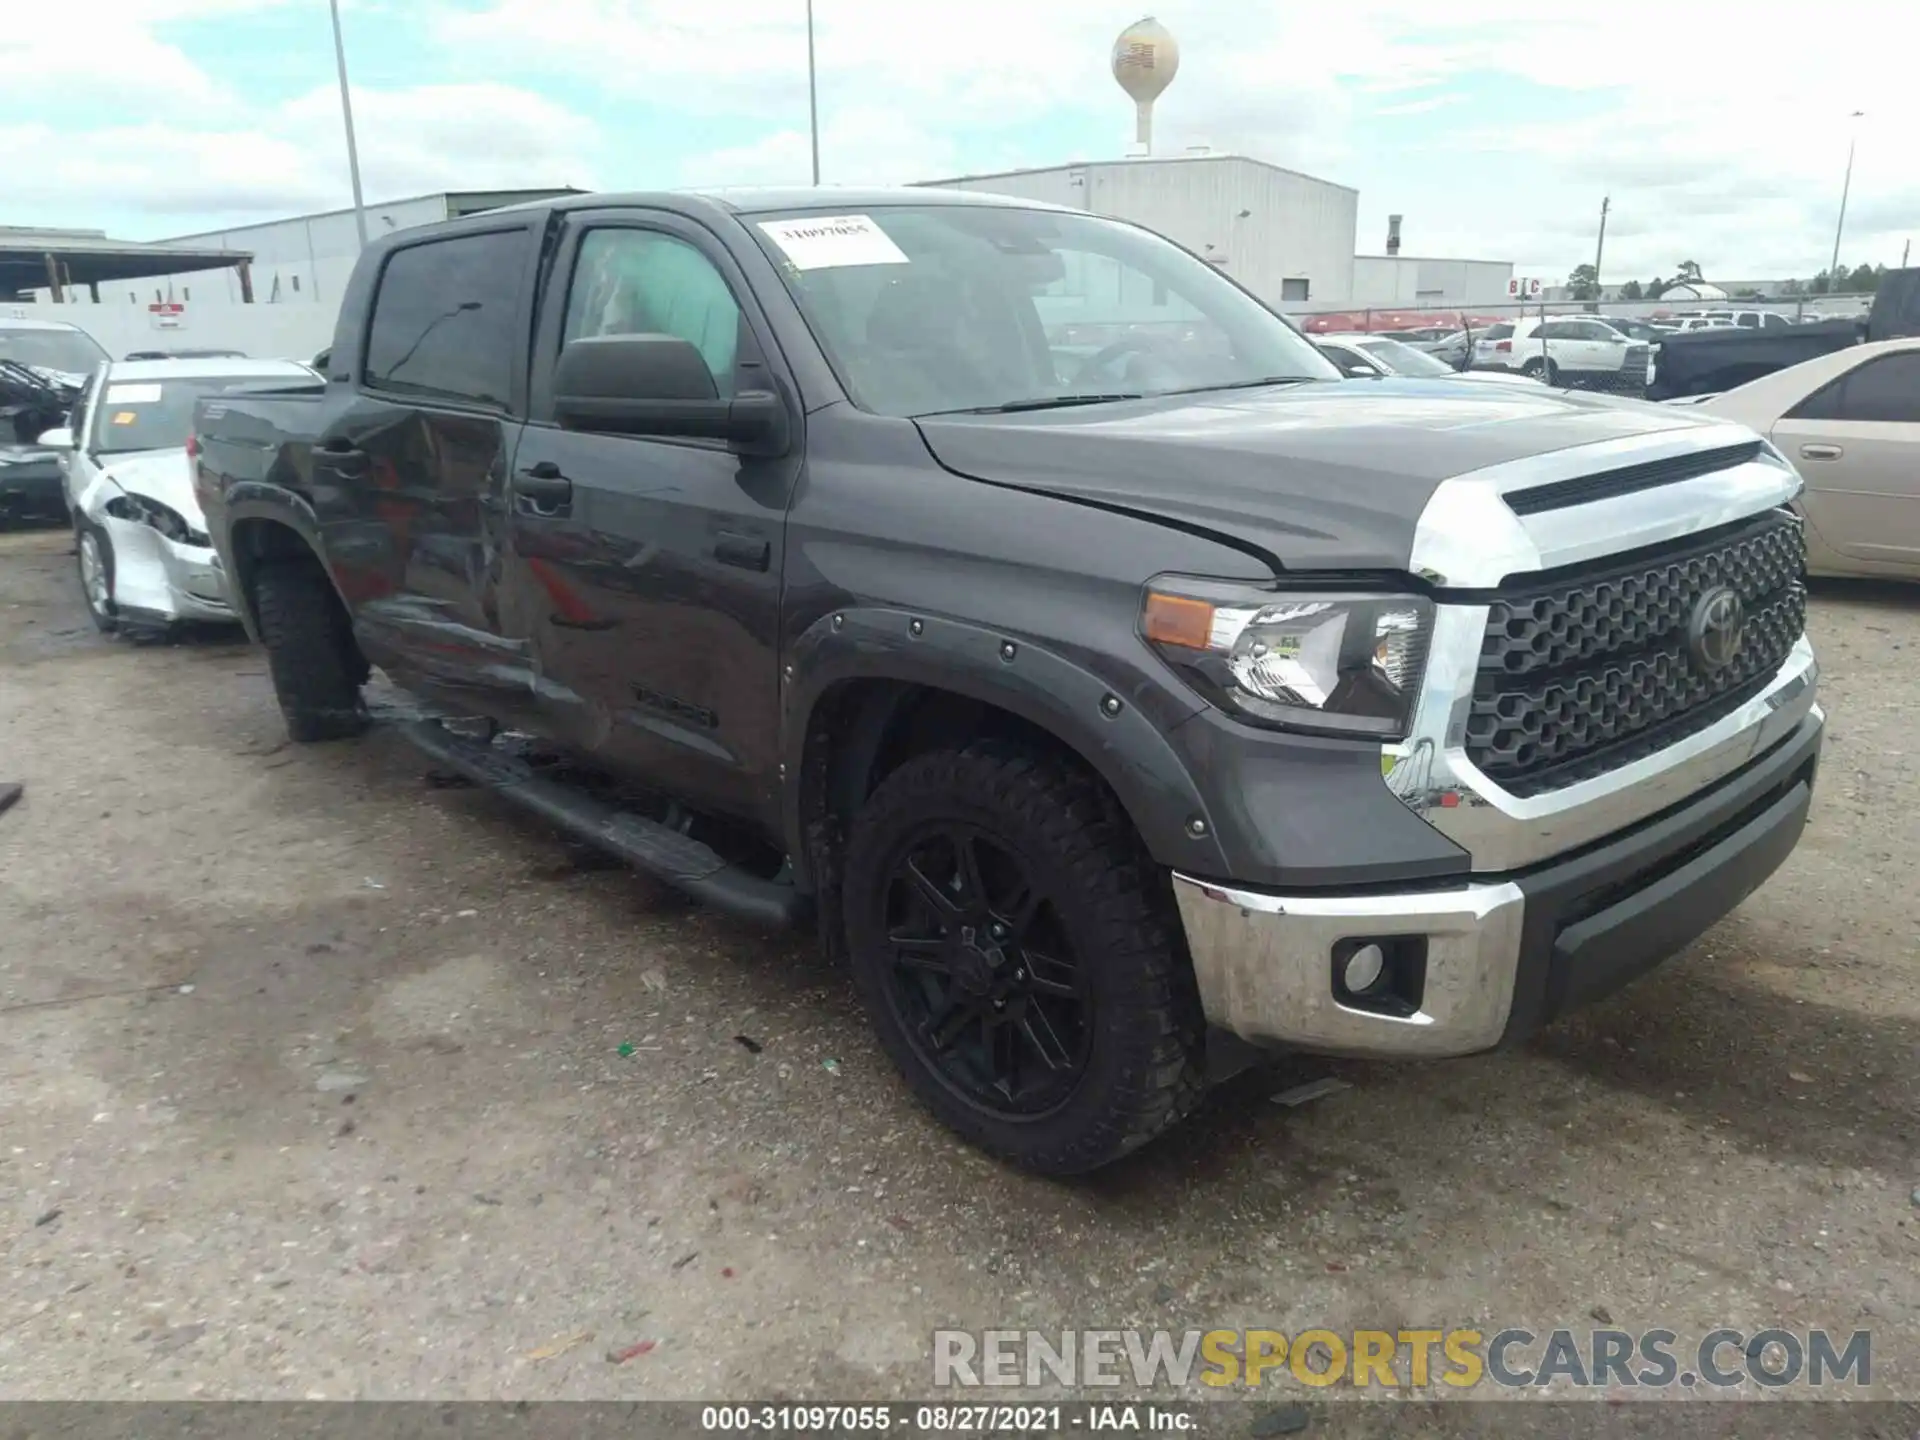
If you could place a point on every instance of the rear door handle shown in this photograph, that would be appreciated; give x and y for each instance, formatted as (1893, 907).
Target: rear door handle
(343, 457)
(1821, 452)
(543, 485)
(749, 552)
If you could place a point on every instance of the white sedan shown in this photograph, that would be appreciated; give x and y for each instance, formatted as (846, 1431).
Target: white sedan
(1850, 423)
(146, 563)
(1369, 356)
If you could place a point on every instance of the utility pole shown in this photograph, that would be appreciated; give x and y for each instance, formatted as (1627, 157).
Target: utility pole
(1600, 250)
(346, 113)
(1833, 270)
(813, 98)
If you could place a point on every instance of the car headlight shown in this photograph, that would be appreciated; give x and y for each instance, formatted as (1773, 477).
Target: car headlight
(1331, 663)
(164, 518)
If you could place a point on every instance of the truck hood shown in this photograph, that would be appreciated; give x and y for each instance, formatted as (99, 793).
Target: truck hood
(162, 475)
(1312, 476)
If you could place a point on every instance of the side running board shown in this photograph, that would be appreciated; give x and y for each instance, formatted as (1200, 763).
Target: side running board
(658, 850)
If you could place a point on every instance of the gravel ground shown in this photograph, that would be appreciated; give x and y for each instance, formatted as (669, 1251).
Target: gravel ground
(311, 1084)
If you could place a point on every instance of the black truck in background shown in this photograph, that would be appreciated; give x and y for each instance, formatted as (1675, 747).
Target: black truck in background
(1007, 594)
(1707, 362)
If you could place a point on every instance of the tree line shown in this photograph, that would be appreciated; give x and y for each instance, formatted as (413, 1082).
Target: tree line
(1584, 283)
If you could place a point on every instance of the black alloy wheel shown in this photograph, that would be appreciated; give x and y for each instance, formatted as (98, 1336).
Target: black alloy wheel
(1020, 956)
(985, 980)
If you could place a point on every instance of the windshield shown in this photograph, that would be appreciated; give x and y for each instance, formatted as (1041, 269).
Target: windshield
(1404, 359)
(937, 308)
(72, 351)
(155, 414)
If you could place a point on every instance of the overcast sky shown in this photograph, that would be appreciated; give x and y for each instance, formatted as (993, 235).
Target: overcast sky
(1495, 126)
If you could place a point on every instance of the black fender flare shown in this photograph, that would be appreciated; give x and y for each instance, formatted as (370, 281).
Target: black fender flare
(1121, 743)
(254, 500)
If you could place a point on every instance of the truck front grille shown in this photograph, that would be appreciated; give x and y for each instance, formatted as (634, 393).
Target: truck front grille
(1580, 676)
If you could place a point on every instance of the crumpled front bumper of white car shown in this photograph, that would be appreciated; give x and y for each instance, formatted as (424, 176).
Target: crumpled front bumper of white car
(163, 580)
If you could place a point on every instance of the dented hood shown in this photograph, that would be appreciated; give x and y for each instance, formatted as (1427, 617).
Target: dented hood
(1315, 476)
(163, 475)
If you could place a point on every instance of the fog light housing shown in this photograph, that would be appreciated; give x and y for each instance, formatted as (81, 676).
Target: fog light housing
(1364, 966)
(1382, 974)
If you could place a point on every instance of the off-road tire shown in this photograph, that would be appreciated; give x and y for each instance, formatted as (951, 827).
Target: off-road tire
(315, 664)
(1145, 1069)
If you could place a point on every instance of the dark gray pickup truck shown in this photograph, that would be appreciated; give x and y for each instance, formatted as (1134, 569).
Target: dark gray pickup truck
(1004, 591)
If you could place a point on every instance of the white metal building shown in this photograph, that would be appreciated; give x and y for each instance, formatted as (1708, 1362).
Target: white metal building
(305, 259)
(1285, 236)
(1410, 281)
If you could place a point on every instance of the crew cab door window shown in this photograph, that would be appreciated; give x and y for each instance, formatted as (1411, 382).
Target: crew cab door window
(640, 282)
(446, 319)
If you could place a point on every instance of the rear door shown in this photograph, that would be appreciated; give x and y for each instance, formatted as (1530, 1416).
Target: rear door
(1599, 347)
(652, 566)
(410, 473)
(1856, 440)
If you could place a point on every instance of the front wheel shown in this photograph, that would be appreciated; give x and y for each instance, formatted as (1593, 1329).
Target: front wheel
(95, 554)
(1019, 956)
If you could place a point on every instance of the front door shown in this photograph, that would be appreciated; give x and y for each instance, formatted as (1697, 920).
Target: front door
(650, 568)
(1856, 442)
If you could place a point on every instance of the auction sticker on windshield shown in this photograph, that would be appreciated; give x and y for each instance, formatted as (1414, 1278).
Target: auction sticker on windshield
(820, 242)
(133, 394)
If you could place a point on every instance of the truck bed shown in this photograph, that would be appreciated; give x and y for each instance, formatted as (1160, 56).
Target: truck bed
(259, 435)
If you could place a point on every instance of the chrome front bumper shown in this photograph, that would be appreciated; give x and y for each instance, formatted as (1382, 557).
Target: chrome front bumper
(1500, 955)
(1265, 969)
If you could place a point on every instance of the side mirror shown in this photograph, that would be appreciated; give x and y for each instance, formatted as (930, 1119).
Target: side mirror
(1360, 370)
(660, 385)
(61, 439)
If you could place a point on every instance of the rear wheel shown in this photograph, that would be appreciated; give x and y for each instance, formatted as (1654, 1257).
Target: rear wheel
(315, 665)
(1018, 955)
(95, 554)
(1542, 369)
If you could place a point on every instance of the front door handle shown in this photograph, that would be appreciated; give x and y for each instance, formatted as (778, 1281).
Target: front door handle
(1821, 452)
(543, 485)
(749, 552)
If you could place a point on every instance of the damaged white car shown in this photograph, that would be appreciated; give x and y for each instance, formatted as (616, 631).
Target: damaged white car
(146, 564)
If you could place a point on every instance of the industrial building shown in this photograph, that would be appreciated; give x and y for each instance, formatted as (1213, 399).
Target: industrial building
(1283, 235)
(1287, 237)
(307, 259)
(1408, 282)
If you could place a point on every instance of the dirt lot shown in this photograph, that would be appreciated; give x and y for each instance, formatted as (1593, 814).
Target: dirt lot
(311, 1084)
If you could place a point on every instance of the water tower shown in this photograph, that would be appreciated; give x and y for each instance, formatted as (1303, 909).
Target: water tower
(1145, 60)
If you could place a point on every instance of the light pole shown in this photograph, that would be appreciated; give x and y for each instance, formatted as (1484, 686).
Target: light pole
(346, 113)
(1833, 270)
(813, 98)
(1600, 249)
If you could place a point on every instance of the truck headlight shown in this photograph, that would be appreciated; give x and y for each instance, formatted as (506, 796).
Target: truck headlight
(1333, 663)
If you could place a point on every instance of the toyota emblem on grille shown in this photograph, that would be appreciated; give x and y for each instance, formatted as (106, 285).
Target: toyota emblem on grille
(1716, 628)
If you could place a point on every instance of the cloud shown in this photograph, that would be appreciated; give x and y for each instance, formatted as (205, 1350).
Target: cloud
(1494, 126)
(447, 137)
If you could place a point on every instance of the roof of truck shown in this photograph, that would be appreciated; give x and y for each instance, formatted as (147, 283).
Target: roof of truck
(755, 199)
